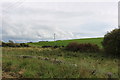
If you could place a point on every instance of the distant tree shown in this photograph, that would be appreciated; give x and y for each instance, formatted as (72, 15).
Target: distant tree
(10, 41)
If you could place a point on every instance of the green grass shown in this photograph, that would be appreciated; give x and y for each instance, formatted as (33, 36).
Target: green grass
(74, 64)
(65, 42)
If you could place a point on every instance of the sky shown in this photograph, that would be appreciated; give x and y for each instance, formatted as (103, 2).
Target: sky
(119, 14)
(34, 20)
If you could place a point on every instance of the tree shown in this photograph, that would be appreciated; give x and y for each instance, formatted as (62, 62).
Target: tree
(111, 42)
(10, 41)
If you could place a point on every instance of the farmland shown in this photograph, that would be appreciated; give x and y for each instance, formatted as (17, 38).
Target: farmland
(65, 42)
(36, 62)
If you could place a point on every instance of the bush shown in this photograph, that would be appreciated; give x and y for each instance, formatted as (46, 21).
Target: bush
(73, 46)
(87, 47)
(24, 45)
(4, 44)
(8, 44)
(84, 47)
(14, 45)
(111, 42)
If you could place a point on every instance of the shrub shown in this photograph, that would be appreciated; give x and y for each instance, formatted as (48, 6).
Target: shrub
(84, 47)
(3, 44)
(14, 45)
(8, 44)
(111, 42)
(73, 46)
(87, 47)
(24, 45)
(11, 44)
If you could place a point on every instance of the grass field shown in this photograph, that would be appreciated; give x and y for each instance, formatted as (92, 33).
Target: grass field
(56, 63)
(65, 42)
(35, 62)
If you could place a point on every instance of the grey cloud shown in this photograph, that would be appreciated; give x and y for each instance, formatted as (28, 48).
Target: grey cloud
(26, 22)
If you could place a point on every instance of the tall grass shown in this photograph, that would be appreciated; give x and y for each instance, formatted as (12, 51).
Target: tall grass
(73, 65)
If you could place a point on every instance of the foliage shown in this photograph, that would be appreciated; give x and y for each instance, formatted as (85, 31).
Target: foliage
(10, 41)
(111, 42)
(84, 47)
(73, 46)
(14, 44)
(24, 45)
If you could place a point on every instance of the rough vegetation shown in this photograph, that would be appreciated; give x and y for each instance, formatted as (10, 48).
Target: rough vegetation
(82, 47)
(111, 42)
(14, 44)
(34, 62)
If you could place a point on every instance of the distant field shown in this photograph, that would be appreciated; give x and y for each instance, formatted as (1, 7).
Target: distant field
(65, 42)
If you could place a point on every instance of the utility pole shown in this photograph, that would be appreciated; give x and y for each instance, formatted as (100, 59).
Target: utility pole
(54, 36)
(54, 40)
(40, 37)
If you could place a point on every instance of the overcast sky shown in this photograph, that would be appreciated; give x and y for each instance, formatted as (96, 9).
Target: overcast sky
(34, 21)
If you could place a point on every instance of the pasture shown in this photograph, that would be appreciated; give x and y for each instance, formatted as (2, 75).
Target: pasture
(65, 42)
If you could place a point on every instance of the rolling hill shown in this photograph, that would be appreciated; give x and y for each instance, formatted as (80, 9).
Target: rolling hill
(65, 42)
